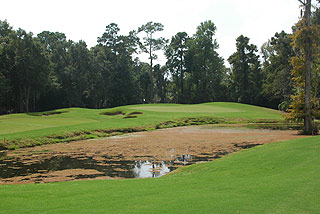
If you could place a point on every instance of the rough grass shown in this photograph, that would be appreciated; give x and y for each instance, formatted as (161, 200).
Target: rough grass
(273, 178)
(20, 130)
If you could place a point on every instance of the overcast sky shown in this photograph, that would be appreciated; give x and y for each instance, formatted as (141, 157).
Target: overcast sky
(86, 20)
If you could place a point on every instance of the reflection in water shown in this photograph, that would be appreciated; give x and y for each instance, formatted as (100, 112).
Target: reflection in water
(108, 166)
(148, 169)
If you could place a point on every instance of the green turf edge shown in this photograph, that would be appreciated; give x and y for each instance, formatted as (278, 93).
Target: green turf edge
(93, 118)
(274, 178)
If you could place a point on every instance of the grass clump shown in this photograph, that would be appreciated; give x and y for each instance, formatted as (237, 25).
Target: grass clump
(188, 122)
(275, 126)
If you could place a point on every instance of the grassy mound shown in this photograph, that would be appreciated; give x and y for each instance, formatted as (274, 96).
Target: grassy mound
(20, 130)
(273, 178)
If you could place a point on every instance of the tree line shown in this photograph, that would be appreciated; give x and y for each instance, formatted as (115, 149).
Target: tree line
(48, 71)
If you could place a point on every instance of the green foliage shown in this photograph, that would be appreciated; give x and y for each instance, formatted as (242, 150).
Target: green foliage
(297, 107)
(48, 71)
(305, 37)
(278, 84)
(62, 73)
(55, 46)
(246, 76)
(176, 53)
(150, 45)
(23, 69)
(205, 68)
(116, 67)
(161, 84)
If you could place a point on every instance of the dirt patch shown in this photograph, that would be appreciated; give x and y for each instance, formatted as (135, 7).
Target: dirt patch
(157, 149)
(55, 176)
(45, 114)
(135, 112)
(132, 115)
(113, 113)
(129, 116)
(52, 113)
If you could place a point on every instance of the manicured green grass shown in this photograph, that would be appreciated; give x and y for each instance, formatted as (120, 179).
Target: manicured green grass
(274, 178)
(30, 126)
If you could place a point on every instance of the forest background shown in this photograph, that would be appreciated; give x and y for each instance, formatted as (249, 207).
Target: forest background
(49, 71)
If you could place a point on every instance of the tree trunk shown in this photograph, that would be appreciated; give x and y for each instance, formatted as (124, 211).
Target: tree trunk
(181, 79)
(34, 98)
(308, 55)
(21, 110)
(151, 76)
(308, 116)
(27, 98)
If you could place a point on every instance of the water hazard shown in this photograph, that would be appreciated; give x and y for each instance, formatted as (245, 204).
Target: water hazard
(80, 167)
(139, 155)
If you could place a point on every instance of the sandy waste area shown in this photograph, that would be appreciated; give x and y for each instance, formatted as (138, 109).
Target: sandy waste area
(163, 146)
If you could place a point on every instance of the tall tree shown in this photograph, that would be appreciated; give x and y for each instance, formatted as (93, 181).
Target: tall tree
(308, 55)
(306, 42)
(119, 50)
(176, 63)
(78, 73)
(110, 38)
(150, 45)
(278, 84)
(56, 47)
(246, 72)
(141, 70)
(102, 66)
(7, 34)
(23, 69)
(30, 71)
(161, 83)
(204, 66)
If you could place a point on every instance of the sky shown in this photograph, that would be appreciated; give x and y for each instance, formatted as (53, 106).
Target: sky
(86, 20)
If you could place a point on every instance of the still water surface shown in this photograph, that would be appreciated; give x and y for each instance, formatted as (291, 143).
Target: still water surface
(112, 167)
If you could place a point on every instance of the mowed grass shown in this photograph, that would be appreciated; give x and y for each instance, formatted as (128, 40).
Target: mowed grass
(274, 178)
(30, 126)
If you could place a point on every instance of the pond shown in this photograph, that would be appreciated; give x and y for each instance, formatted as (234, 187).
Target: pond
(17, 169)
(136, 155)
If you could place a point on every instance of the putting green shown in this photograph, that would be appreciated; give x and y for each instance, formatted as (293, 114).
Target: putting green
(187, 108)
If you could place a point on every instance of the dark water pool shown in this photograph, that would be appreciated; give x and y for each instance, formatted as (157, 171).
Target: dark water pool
(107, 166)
